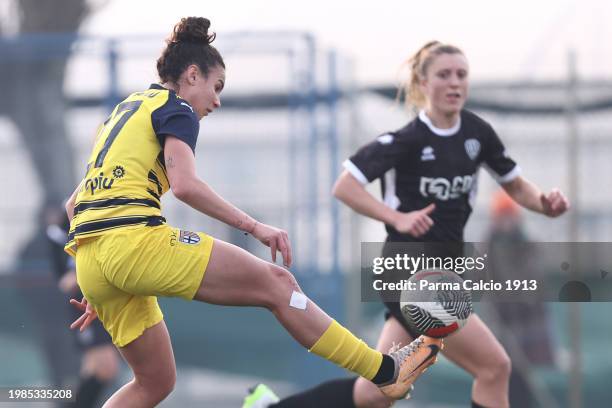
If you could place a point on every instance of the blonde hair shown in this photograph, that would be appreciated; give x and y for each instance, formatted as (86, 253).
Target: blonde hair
(418, 65)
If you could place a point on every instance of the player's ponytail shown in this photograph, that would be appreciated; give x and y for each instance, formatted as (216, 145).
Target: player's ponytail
(417, 66)
(188, 44)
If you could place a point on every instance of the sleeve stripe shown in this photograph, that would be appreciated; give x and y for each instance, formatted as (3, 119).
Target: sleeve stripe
(354, 170)
(506, 178)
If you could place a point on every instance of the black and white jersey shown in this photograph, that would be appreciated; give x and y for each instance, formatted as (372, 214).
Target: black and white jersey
(421, 164)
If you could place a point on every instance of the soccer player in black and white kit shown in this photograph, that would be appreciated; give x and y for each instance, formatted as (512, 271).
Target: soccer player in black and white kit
(428, 172)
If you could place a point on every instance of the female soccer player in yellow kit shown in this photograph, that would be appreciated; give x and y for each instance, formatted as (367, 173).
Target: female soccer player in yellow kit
(126, 255)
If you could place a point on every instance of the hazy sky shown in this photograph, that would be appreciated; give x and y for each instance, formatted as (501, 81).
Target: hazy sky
(502, 39)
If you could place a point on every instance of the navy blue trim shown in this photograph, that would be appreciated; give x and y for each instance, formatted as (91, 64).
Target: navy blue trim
(83, 206)
(154, 179)
(162, 162)
(156, 196)
(176, 118)
(150, 221)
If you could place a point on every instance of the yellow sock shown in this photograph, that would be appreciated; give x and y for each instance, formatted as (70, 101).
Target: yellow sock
(341, 347)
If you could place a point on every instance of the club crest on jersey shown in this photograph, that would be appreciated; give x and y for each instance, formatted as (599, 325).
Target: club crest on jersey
(428, 154)
(472, 148)
(188, 237)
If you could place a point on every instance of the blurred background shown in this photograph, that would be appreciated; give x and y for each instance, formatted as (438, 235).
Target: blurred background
(307, 83)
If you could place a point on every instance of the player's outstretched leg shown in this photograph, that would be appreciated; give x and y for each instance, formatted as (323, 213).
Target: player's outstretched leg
(344, 392)
(236, 277)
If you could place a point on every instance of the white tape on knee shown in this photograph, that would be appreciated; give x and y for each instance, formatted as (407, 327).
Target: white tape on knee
(298, 300)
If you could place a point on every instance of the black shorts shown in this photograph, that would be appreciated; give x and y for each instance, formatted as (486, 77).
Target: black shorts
(393, 309)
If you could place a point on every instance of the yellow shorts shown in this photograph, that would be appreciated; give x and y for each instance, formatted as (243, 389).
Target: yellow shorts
(122, 272)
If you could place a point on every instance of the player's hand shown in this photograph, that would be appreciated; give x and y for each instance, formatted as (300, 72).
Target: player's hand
(276, 239)
(88, 316)
(415, 223)
(554, 203)
(68, 283)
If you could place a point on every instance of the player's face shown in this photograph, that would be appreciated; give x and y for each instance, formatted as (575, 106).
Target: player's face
(446, 84)
(204, 94)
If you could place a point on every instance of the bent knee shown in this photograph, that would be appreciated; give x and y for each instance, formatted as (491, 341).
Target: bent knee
(367, 394)
(280, 287)
(497, 369)
(167, 387)
(157, 387)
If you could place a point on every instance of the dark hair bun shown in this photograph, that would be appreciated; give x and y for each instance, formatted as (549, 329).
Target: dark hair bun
(189, 43)
(192, 30)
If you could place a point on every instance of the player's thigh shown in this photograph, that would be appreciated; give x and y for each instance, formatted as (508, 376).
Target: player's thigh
(474, 346)
(236, 277)
(123, 315)
(151, 358)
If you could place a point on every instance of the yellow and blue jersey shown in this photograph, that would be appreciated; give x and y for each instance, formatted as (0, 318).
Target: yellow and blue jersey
(126, 174)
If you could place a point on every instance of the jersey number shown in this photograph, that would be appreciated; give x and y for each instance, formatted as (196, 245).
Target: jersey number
(125, 108)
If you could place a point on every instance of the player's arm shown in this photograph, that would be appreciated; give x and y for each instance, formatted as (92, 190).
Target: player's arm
(189, 188)
(352, 193)
(524, 192)
(528, 195)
